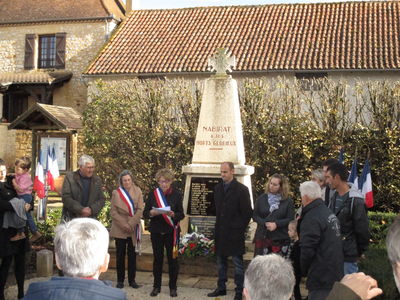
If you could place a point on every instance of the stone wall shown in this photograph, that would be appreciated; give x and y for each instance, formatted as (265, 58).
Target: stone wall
(17, 143)
(83, 42)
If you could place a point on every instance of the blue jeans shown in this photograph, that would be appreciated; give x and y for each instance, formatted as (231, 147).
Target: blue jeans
(31, 223)
(350, 268)
(222, 263)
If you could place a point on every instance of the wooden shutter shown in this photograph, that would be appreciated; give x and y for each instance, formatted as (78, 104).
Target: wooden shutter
(60, 50)
(29, 62)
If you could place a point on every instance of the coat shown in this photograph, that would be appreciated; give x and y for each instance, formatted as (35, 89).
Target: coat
(70, 288)
(281, 216)
(342, 292)
(157, 223)
(353, 224)
(72, 194)
(120, 214)
(321, 256)
(234, 211)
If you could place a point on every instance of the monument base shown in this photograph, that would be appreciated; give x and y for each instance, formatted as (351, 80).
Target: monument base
(198, 198)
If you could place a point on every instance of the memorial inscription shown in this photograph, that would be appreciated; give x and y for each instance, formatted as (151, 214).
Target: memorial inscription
(201, 196)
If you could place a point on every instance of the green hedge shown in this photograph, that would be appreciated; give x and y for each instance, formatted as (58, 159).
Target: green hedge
(147, 125)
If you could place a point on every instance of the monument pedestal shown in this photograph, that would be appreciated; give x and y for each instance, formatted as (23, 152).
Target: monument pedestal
(198, 200)
(219, 139)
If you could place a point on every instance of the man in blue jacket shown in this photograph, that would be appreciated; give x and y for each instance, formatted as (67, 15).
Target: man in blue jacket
(81, 248)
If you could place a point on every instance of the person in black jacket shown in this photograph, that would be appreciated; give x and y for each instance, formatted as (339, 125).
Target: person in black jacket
(273, 211)
(321, 255)
(164, 228)
(10, 250)
(347, 203)
(233, 208)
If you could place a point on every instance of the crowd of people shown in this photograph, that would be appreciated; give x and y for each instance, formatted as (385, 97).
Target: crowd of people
(323, 240)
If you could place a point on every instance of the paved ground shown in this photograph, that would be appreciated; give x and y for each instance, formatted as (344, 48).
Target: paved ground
(189, 287)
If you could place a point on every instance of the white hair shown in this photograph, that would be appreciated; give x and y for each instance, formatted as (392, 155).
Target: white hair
(84, 159)
(393, 247)
(269, 277)
(81, 246)
(311, 189)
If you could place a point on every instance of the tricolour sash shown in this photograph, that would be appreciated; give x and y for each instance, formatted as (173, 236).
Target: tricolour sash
(127, 199)
(162, 202)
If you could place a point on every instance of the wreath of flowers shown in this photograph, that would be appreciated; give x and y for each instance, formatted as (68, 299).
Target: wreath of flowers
(196, 244)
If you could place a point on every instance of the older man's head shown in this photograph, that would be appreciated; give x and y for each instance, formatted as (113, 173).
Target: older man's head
(310, 191)
(81, 247)
(269, 277)
(86, 165)
(393, 249)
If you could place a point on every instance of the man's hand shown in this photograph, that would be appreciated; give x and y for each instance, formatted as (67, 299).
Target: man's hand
(171, 214)
(363, 285)
(86, 212)
(27, 207)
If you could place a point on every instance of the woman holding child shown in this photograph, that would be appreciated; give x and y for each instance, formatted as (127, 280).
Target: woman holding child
(10, 250)
(273, 211)
(126, 211)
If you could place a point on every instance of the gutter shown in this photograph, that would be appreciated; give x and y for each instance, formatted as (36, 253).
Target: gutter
(239, 72)
(110, 17)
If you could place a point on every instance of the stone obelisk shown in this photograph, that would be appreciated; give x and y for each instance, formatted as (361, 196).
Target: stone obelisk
(219, 138)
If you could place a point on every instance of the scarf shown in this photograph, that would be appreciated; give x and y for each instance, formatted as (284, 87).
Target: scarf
(274, 201)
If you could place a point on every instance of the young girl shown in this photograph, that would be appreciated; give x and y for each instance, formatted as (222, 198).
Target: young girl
(23, 185)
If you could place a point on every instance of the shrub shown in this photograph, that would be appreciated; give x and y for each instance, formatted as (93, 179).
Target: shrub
(147, 125)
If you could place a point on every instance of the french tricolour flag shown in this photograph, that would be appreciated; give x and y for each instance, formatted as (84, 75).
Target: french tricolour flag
(365, 185)
(353, 177)
(52, 168)
(38, 182)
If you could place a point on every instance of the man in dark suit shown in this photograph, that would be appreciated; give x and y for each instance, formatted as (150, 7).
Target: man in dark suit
(233, 209)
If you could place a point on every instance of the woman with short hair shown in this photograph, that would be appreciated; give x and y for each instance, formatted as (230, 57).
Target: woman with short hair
(164, 228)
(126, 212)
(273, 211)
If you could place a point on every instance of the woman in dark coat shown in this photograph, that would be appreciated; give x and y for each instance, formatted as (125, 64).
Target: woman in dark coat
(8, 249)
(273, 211)
(164, 229)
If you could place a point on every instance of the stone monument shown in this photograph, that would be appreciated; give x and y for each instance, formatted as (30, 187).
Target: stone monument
(219, 138)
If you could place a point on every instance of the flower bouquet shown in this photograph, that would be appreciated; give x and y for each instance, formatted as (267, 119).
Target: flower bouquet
(196, 244)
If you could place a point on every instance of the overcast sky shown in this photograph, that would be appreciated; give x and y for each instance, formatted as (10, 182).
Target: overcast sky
(156, 4)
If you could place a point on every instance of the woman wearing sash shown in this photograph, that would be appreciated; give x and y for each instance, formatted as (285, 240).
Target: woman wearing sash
(126, 212)
(164, 209)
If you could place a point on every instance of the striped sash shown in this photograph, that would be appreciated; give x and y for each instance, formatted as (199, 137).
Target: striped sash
(127, 199)
(162, 203)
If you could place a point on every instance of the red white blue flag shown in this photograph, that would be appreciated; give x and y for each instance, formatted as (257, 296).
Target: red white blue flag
(365, 185)
(38, 182)
(52, 168)
(353, 177)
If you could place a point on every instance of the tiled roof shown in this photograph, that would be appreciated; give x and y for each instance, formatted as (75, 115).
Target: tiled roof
(12, 11)
(319, 36)
(44, 116)
(34, 77)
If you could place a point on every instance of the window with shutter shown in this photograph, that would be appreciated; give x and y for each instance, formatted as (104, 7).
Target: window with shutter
(52, 51)
(29, 62)
(60, 50)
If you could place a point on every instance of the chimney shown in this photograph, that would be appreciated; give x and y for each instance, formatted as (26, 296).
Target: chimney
(128, 7)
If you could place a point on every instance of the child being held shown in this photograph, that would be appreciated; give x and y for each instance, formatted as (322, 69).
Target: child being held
(23, 185)
(295, 256)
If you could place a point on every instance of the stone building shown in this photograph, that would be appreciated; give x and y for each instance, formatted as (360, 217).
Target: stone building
(45, 45)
